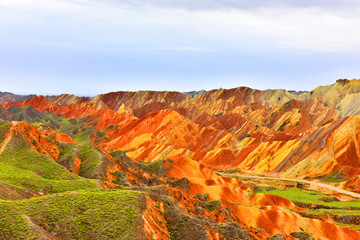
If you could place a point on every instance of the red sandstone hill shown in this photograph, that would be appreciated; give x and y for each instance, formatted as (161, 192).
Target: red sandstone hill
(241, 127)
(172, 143)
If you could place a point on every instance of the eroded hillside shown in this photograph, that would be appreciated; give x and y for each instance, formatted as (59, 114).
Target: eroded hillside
(170, 157)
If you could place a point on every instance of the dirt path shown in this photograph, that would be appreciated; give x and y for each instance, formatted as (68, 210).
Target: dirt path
(304, 181)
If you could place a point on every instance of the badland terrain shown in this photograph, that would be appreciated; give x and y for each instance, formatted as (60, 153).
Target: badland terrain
(222, 164)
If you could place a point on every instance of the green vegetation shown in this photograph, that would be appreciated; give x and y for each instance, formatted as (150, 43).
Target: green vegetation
(262, 189)
(4, 128)
(90, 158)
(117, 153)
(73, 127)
(56, 121)
(12, 224)
(276, 237)
(100, 136)
(303, 235)
(334, 177)
(24, 168)
(73, 215)
(83, 137)
(322, 211)
(120, 178)
(90, 161)
(211, 206)
(177, 228)
(319, 204)
(73, 207)
(68, 152)
(230, 171)
(353, 226)
(155, 167)
(295, 194)
(308, 196)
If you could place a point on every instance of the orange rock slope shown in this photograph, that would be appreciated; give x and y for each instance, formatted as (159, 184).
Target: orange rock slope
(262, 131)
(310, 134)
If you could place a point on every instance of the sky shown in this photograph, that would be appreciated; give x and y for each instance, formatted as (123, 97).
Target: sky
(88, 47)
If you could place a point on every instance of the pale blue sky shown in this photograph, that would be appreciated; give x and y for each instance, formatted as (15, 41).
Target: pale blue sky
(88, 47)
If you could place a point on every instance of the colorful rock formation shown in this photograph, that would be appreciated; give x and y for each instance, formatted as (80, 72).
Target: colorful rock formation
(169, 145)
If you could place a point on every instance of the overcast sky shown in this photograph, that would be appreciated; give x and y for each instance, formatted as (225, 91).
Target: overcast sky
(88, 47)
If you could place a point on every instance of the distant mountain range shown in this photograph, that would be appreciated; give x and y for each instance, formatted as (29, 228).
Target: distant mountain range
(11, 97)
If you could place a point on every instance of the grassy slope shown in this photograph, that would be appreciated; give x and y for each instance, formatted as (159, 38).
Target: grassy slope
(76, 207)
(23, 167)
(4, 128)
(90, 158)
(334, 177)
(314, 197)
(73, 215)
(309, 196)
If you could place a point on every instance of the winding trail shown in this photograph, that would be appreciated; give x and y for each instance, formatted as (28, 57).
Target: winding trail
(303, 181)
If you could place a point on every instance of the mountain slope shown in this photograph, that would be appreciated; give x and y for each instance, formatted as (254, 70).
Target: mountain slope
(172, 157)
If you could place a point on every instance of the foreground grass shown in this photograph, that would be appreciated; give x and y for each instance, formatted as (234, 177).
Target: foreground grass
(73, 207)
(72, 215)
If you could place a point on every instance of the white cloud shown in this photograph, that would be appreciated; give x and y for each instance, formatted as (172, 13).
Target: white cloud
(163, 24)
(200, 5)
(309, 29)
